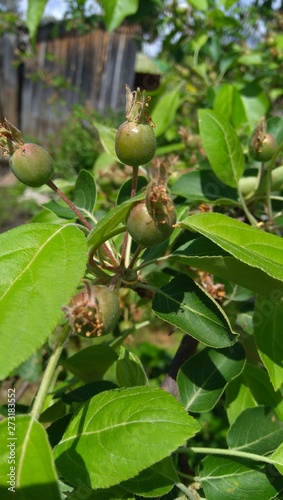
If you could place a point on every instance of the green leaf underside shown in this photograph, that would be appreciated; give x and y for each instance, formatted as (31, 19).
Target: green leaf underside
(119, 433)
(204, 254)
(256, 430)
(248, 244)
(204, 186)
(268, 320)
(203, 378)
(35, 259)
(91, 363)
(222, 146)
(59, 210)
(107, 138)
(35, 471)
(110, 221)
(34, 14)
(155, 481)
(184, 304)
(165, 110)
(85, 191)
(225, 478)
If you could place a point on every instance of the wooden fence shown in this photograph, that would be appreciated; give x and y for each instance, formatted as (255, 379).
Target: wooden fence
(71, 68)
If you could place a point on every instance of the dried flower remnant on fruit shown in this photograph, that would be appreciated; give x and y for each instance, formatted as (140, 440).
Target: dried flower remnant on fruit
(94, 311)
(262, 145)
(137, 107)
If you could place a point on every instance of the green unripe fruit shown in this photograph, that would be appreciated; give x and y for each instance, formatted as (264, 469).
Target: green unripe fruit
(147, 230)
(94, 311)
(32, 165)
(135, 143)
(262, 148)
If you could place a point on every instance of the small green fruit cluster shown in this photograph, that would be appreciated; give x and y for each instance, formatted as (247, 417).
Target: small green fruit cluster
(32, 165)
(94, 311)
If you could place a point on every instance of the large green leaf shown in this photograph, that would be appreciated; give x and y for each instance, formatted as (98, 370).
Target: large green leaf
(129, 369)
(248, 244)
(227, 478)
(256, 430)
(262, 390)
(40, 267)
(165, 111)
(186, 305)
(203, 378)
(29, 452)
(34, 15)
(222, 146)
(204, 254)
(119, 433)
(268, 320)
(116, 11)
(91, 363)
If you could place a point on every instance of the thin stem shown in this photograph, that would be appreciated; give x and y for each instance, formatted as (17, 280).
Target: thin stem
(249, 216)
(126, 235)
(70, 204)
(48, 374)
(231, 453)
(139, 249)
(189, 494)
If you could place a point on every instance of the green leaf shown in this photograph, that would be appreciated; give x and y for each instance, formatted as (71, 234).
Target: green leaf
(34, 14)
(203, 254)
(203, 378)
(155, 481)
(201, 5)
(87, 391)
(35, 471)
(225, 478)
(116, 11)
(256, 430)
(262, 390)
(60, 210)
(238, 398)
(222, 146)
(186, 305)
(40, 266)
(85, 191)
(248, 244)
(204, 186)
(107, 138)
(228, 103)
(119, 433)
(129, 369)
(91, 363)
(165, 111)
(255, 102)
(277, 456)
(268, 320)
(110, 221)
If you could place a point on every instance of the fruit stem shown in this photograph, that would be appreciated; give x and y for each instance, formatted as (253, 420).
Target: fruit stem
(48, 374)
(248, 214)
(69, 203)
(139, 249)
(126, 240)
